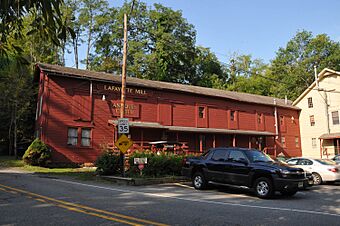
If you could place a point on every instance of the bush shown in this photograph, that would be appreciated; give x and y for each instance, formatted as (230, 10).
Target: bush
(108, 164)
(37, 154)
(165, 164)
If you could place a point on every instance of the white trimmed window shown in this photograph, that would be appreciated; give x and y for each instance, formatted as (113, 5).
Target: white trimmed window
(313, 142)
(85, 137)
(310, 102)
(312, 120)
(335, 117)
(72, 136)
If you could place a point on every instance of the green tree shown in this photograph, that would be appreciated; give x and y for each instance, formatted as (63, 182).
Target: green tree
(293, 65)
(90, 15)
(46, 21)
(161, 44)
(248, 75)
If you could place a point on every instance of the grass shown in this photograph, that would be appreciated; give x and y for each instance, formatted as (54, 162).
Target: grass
(78, 173)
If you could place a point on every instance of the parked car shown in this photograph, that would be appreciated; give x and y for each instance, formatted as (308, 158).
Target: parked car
(243, 167)
(323, 170)
(309, 176)
(336, 159)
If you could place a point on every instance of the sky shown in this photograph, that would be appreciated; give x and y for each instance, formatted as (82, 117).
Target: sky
(255, 27)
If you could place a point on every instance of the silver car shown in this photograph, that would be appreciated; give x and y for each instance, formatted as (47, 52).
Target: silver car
(323, 170)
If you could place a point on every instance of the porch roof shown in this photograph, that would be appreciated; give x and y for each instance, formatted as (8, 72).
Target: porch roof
(329, 136)
(154, 125)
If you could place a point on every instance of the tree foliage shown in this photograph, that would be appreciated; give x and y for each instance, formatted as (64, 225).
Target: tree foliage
(46, 21)
(294, 64)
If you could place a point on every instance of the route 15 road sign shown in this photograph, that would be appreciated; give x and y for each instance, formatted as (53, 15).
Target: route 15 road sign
(123, 125)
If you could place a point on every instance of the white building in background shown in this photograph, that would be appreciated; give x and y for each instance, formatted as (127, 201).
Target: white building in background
(319, 117)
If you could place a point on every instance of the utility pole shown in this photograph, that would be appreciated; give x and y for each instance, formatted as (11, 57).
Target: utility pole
(123, 89)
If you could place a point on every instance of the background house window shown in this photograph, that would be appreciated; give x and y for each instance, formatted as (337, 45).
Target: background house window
(310, 102)
(232, 115)
(313, 142)
(297, 142)
(283, 141)
(201, 111)
(312, 120)
(335, 117)
(85, 137)
(72, 136)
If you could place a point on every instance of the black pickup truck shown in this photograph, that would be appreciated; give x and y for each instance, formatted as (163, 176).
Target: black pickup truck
(244, 167)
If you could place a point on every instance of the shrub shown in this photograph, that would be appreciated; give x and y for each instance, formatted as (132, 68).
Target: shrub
(165, 164)
(37, 154)
(108, 163)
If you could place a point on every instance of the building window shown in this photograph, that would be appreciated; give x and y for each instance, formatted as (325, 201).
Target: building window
(283, 141)
(282, 121)
(85, 137)
(259, 118)
(312, 120)
(201, 112)
(310, 102)
(335, 117)
(313, 142)
(297, 142)
(232, 115)
(72, 136)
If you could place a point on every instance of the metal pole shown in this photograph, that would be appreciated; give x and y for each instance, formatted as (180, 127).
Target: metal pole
(123, 89)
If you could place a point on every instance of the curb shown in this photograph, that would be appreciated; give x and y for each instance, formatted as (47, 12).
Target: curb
(143, 181)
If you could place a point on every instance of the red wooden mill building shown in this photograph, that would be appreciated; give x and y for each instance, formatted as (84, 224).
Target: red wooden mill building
(77, 110)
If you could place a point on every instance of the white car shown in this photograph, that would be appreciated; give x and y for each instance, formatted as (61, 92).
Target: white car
(323, 170)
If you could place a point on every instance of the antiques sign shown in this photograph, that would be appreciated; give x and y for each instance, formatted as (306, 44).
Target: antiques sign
(131, 110)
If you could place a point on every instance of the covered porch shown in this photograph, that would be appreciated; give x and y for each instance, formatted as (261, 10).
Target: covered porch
(329, 145)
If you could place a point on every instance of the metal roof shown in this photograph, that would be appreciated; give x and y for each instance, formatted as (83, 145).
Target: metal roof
(155, 125)
(175, 87)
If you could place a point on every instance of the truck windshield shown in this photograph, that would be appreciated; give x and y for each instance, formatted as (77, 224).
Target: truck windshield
(257, 156)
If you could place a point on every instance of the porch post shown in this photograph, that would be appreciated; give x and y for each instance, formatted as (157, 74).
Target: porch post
(214, 141)
(234, 140)
(142, 138)
(321, 142)
(201, 143)
(249, 142)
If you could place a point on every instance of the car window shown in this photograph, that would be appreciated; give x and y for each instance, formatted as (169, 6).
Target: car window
(258, 156)
(292, 162)
(337, 158)
(326, 162)
(219, 155)
(305, 162)
(236, 156)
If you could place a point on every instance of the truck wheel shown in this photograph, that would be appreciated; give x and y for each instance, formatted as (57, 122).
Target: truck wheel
(317, 178)
(289, 192)
(263, 187)
(198, 181)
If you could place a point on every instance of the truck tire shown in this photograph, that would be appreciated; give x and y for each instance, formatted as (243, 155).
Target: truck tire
(263, 188)
(198, 181)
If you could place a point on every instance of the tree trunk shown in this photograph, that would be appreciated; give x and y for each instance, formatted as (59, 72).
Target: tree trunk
(88, 48)
(10, 136)
(15, 131)
(89, 42)
(75, 49)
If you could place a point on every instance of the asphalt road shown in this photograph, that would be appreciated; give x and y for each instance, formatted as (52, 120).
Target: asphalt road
(27, 199)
